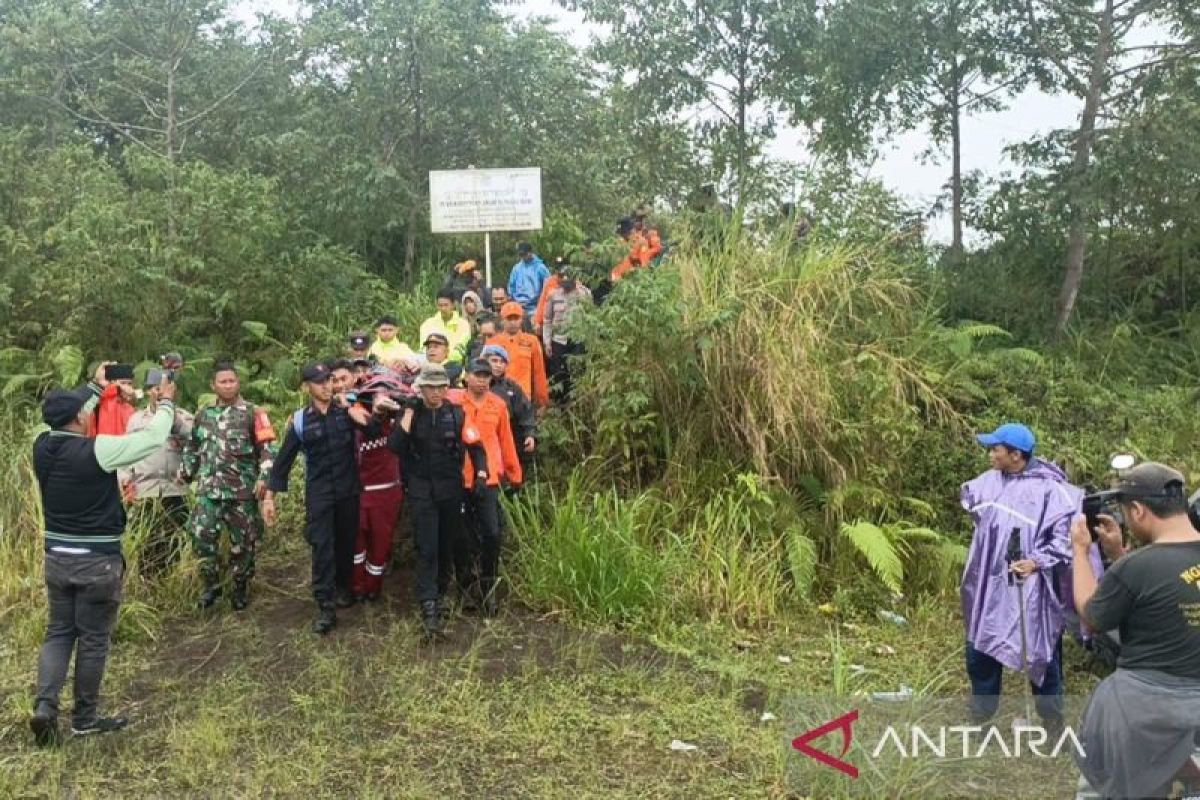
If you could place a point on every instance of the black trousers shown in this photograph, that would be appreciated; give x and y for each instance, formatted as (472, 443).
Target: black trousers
(85, 595)
(558, 370)
(484, 525)
(437, 532)
(331, 530)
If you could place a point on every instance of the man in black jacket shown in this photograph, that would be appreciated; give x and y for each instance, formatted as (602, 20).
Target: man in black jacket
(521, 413)
(81, 506)
(325, 432)
(437, 450)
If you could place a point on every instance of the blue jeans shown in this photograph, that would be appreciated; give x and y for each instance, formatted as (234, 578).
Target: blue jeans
(986, 674)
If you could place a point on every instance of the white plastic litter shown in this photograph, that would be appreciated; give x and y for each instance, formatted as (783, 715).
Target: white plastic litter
(905, 693)
(767, 716)
(680, 746)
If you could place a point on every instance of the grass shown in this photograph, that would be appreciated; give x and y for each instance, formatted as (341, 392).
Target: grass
(527, 706)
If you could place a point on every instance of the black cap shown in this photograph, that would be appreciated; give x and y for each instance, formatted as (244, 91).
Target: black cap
(360, 340)
(480, 365)
(118, 372)
(524, 247)
(315, 372)
(625, 225)
(60, 406)
(1149, 480)
(436, 337)
(386, 319)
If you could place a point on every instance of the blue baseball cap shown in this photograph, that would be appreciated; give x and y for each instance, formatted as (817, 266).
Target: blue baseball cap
(1011, 434)
(495, 350)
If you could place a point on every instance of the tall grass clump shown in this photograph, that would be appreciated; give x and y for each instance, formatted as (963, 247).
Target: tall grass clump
(592, 552)
(812, 371)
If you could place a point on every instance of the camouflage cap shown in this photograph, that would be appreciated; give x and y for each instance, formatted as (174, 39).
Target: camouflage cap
(432, 375)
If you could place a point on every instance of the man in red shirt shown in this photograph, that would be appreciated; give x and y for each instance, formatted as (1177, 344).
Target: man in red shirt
(488, 414)
(382, 492)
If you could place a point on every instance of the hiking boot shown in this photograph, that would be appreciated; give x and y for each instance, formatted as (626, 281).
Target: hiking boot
(325, 620)
(468, 598)
(44, 724)
(209, 596)
(241, 598)
(431, 619)
(100, 725)
(344, 599)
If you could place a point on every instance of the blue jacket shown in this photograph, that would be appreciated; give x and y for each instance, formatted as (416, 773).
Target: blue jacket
(525, 283)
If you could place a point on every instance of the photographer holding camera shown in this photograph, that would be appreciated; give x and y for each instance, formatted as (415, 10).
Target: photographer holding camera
(84, 526)
(1139, 729)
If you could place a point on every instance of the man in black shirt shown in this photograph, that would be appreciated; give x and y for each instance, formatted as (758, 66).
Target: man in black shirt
(324, 431)
(434, 442)
(1139, 729)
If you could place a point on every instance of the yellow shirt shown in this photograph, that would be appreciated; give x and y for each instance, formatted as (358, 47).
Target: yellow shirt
(456, 329)
(390, 352)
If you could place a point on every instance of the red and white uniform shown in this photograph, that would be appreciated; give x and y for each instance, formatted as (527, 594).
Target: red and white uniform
(378, 509)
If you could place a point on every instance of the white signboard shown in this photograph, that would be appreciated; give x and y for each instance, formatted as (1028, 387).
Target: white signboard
(481, 200)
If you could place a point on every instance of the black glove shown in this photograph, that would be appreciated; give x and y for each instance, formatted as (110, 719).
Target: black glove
(413, 401)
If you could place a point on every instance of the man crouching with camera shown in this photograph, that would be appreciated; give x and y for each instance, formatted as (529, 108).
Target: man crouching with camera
(1139, 728)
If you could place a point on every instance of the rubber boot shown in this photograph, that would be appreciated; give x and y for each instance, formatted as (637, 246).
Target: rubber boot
(241, 597)
(325, 620)
(209, 596)
(431, 619)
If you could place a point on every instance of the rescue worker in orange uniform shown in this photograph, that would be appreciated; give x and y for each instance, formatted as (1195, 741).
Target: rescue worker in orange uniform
(637, 256)
(526, 361)
(488, 415)
(654, 244)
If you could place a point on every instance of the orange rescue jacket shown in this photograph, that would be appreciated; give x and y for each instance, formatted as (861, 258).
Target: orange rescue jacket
(539, 314)
(636, 259)
(489, 418)
(526, 365)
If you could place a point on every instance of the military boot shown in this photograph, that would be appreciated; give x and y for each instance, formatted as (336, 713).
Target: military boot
(209, 596)
(241, 597)
(325, 620)
(431, 619)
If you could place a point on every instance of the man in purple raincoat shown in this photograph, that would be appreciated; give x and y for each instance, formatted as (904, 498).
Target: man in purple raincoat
(1024, 494)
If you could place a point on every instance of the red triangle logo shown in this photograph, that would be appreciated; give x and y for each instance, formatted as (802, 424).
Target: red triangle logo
(842, 723)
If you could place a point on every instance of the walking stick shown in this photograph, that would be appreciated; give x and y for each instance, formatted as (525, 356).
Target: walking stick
(1015, 554)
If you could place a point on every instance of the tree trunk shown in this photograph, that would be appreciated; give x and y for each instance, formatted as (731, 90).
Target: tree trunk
(1079, 188)
(956, 188)
(417, 144)
(171, 131)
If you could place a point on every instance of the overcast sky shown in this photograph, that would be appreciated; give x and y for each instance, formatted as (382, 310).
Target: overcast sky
(899, 165)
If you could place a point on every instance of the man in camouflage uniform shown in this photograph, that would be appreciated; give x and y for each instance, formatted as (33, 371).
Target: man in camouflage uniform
(229, 456)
